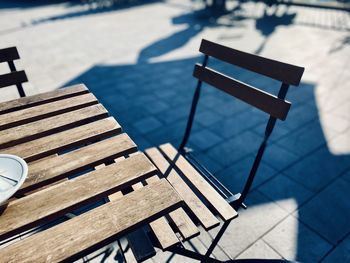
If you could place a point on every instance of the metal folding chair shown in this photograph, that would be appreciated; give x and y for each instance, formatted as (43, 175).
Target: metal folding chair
(183, 164)
(15, 77)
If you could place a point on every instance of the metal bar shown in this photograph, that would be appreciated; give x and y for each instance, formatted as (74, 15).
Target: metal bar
(209, 176)
(217, 239)
(268, 131)
(19, 86)
(193, 110)
(121, 250)
(180, 250)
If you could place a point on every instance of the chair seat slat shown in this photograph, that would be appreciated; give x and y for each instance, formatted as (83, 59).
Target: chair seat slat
(202, 213)
(207, 191)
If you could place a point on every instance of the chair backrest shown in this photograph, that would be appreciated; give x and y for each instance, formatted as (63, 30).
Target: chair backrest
(14, 77)
(276, 106)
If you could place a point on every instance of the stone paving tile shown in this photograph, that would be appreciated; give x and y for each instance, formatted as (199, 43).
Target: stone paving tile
(204, 139)
(235, 148)
(346, 176)
(306, 139)
(207, 118)
(230, 127)
(317, 170)
(330, 207)
(251, 224)
(294, 241)
(278, 157)
(147, 125)
(234, 176)
(285, 192)
(340, 254)
(260, 250)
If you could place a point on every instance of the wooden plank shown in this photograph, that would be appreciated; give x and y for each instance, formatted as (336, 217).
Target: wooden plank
(208, 192)
(87, 232)
(13, 78)
(41, 128)
(202, 213)
(8, 54)
(264, 101)
(284, 72)
(41, 207)
(46, 110)
(160, 227)
(36, 149)
(39, 99)
(183, 222)
(48, 171)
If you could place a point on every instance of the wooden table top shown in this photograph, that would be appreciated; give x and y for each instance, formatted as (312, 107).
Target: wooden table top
(77, 156)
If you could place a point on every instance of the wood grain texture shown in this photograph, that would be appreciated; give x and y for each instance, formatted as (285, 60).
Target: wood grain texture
(39, 99)
(8, 54)
(160, 227)
(201, 212)
(44, 111)
(48, 171)
(45, 146)
(184, 224)
(207, 191)
(264, 101)
(45, 205)
(37, 129)
(13, 78)
(91, 230)
(284, 72)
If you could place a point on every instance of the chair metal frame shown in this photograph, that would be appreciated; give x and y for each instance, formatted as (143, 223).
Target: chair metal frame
(14, 77)
(235, 200)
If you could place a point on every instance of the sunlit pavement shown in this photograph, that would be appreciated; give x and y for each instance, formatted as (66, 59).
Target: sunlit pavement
(138, 61)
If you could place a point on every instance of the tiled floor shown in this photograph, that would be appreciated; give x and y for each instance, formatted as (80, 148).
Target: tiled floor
(138, 60)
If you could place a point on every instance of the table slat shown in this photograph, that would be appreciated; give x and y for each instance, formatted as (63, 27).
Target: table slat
(37, 129)
(45, 205)
(24, 116)
(84, 233)
(45, 146)
(56, 168)
(35, 100)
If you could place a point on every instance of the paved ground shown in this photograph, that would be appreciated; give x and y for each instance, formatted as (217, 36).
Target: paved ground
(138, 60)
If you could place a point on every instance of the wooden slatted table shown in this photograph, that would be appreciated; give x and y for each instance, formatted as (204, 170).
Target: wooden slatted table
(77, 155)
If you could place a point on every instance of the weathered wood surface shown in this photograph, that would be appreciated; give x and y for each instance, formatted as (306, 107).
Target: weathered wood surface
(28, 115)
(91, 230)
(35, 100)
(46, 171)
(284, 72)
(207, 191)
(54, 143)
(30, 211)
(202, 213)
(41, 128)
(264, 101)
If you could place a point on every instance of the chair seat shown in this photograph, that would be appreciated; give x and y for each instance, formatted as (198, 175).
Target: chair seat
(203, 201)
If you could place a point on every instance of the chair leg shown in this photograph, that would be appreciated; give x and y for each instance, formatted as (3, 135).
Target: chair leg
(217, 239)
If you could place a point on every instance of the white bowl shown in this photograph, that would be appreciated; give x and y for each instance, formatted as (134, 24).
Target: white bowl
(13, 173)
